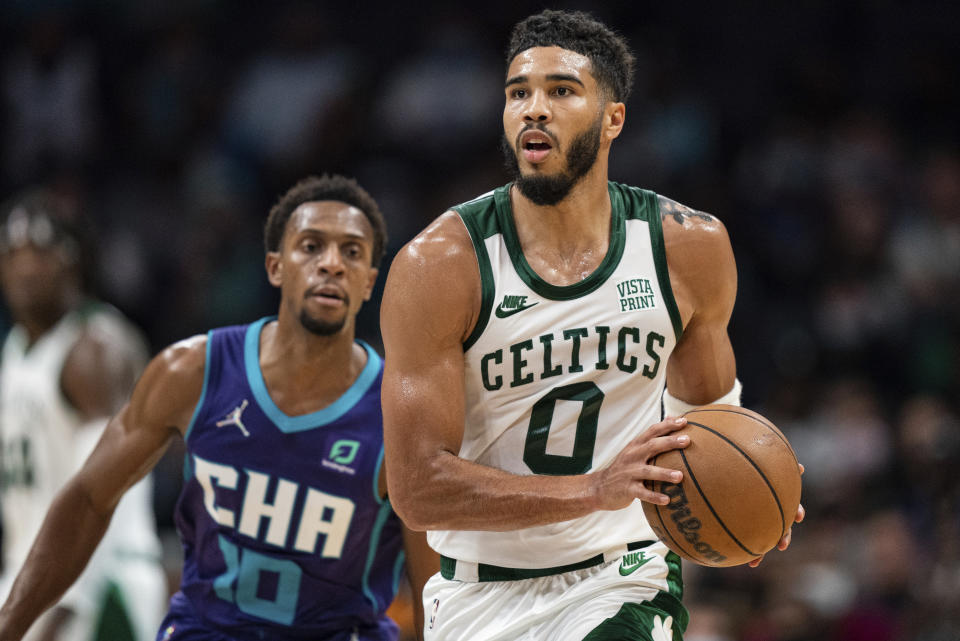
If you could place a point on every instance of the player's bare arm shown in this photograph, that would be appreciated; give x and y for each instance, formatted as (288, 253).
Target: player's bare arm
(703, 275)
(430, 306)
(133, 441)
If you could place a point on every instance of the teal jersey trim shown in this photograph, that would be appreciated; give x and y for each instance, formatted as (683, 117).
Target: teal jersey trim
(382, 515)
(398, 570)
(376, 478)
(290, 424)
(187, 466)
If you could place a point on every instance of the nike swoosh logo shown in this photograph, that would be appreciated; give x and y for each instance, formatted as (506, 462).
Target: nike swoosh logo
(630, 569)
(503, 313)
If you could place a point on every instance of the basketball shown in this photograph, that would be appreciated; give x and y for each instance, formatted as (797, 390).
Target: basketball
(740, 489)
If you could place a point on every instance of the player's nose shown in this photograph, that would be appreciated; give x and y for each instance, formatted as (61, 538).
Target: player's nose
(537, 108)
(331, 260)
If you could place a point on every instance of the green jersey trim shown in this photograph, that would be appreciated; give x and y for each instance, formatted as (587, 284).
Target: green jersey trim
(492, 214)
(479, 219)
(533, 280)
(655, 222)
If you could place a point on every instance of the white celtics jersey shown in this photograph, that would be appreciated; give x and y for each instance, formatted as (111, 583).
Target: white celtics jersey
(44, 441)
(559, 379)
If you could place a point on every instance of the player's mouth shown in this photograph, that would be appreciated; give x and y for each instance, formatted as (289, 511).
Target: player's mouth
(535, 146)
(329, 295)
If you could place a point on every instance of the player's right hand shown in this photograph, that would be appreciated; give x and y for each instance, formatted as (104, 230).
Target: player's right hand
(621, 482)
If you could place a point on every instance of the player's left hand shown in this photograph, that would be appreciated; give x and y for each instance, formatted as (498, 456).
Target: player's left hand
(784, 543)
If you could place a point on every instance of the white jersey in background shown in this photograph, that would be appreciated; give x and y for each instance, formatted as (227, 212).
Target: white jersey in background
(43, 442)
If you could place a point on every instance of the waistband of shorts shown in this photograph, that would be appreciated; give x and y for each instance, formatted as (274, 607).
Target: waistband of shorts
(455, 570)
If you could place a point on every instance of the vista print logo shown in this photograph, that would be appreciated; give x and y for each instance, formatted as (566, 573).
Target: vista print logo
(636, 294)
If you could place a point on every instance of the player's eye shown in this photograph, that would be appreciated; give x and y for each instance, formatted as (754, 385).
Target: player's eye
(518, 94)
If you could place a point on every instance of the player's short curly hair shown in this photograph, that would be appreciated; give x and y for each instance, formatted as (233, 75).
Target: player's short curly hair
(323, 188)
(610, 58)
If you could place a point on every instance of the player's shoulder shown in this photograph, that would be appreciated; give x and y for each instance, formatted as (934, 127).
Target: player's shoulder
(434, 284)
(443, 244)
(680, 221)
(171, 386)
(185, 356)
(699, 255)
(693, 236)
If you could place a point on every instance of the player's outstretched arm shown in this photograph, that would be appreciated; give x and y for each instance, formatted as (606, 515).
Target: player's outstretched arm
(133, 441)
(430, 306)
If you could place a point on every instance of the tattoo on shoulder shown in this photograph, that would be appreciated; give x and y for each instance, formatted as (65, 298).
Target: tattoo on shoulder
(679, 212)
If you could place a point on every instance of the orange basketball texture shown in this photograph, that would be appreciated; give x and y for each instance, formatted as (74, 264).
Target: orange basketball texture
(740, 489)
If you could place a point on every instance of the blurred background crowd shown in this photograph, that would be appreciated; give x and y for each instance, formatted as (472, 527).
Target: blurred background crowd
(824, 134)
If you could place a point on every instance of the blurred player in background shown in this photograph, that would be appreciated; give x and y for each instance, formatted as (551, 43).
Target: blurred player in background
(286, 528)
(530, 335)
(68, 364)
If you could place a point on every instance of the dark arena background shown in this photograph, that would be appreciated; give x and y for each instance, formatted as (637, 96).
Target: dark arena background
(824, 135)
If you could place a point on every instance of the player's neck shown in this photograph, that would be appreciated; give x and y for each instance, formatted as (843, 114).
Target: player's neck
(572, 236)
(305, 372)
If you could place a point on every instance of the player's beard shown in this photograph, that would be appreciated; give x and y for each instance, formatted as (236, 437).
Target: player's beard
(551, 189)
(321, 327)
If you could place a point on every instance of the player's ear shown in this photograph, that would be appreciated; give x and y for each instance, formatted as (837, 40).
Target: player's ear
(371, 281)
(274, 268)
(614, 117)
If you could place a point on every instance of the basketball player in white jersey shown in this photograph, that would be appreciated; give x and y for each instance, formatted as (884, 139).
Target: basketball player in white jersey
(531, 335)
(67, 364)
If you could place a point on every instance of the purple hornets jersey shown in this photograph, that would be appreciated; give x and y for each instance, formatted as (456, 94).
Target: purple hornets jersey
(284, 533)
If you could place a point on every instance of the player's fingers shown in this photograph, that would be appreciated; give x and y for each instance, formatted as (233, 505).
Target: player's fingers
(654, 473)
(802, 468)
(801, 514)
(667, 425)
(755, 562)
(643, 493)
(784, 543)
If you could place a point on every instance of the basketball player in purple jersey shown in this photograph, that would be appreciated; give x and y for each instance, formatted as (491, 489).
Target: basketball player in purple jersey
(286, 528)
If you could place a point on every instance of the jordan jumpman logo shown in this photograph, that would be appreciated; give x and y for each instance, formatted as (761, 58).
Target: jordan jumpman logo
(235, 418)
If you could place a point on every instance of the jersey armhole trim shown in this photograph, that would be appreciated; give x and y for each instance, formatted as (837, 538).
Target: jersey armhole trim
(660, 260)
(206, 384)
(486, 278)
(375, 535)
